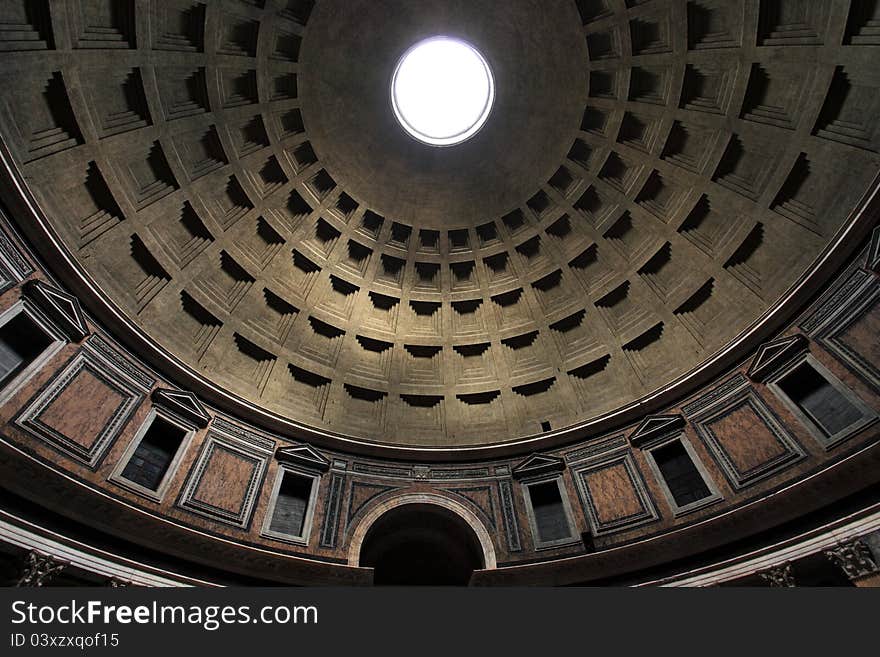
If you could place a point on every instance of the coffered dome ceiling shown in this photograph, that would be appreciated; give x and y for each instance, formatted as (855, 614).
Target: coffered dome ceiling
(654, 177)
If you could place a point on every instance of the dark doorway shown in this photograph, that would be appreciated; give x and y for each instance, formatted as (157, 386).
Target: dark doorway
(421, 545)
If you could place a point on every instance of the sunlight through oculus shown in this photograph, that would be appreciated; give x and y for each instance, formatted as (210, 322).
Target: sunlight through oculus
(442, 91)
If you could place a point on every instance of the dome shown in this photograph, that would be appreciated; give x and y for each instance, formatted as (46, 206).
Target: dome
(641, 197)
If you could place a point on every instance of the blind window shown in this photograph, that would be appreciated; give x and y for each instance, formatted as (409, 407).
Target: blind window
(830, 410)
(154, 455)
(21, 342)
(291, 505)
(680, 474)
(550, 519)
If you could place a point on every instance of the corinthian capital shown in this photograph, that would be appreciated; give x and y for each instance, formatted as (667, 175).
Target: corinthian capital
(39, 569)
(854, 558)
(781, 576)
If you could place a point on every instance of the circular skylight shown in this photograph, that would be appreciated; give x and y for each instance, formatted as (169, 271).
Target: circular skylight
(442, 91)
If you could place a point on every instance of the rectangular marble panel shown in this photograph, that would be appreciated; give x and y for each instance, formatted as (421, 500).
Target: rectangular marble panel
(746, 438)
(225, 480)
(83, 409)
(613, 493)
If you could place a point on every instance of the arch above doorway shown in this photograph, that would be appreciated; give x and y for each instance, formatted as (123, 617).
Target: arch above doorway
(426, 523)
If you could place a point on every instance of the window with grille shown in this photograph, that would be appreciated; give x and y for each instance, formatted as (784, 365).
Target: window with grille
(22, 341)
(548, 509)
(683, 479)
(292, 502)
(826, 406)
(155, 453)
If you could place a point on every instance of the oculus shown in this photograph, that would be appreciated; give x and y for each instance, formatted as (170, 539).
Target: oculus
(442, 91)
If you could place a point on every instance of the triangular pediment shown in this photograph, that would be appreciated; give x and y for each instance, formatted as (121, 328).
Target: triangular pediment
(305, 456)
(61, 307)
(183, 403)
(773, 355)
(655, 426)
(538, 464)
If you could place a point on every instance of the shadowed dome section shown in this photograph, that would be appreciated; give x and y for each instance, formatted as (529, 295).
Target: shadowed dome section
(654, 178)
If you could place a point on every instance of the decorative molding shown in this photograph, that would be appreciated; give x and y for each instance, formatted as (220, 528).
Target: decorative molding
(780, 577)
(241, 449)
(837, 296)
(872, 261)
(12, 258)
(383, 471)
(7, 278)
(646, 514)
(538, 465)
(591, 451)
(508, 513)
(466, 473)
(13, 265)
(792, 451)
(257, 440)
(854, 559)
(61, 307)
(84, 361)
(729, 387)
(655, 426)
(184, 404)
(101, 347)
(39, 569)
(332, 506)
(773, 355)
(305, 456)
